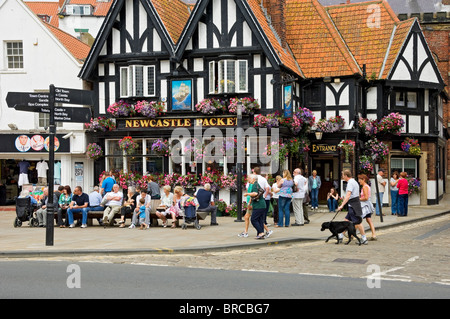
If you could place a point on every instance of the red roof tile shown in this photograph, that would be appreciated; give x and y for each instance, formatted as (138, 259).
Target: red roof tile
(315, 42)
(77, 48)
(46, 8)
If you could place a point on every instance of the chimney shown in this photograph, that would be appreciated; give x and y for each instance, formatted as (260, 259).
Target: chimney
(276, 10)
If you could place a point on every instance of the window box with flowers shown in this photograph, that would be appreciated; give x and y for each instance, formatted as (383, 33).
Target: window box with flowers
(121, 109)
(249, 105)
(210, 106)
(332, 125)
(127, 145)
(100, 124)
(267, 121)
(149, 109)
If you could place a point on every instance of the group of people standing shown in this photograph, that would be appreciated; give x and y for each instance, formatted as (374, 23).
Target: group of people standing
(278, 197)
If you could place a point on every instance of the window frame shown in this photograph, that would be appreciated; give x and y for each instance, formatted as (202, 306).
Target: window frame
(130, 85)
(416, 169)
(219, 71)
(21, 64)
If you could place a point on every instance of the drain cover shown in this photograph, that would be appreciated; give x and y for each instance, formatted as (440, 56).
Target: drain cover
(350, 261)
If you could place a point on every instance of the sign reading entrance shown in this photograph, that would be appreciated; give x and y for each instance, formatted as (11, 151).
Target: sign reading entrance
(324, 148)
(173, 123)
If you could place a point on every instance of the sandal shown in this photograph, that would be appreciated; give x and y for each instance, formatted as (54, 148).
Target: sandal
(260, 237)
(174, 226)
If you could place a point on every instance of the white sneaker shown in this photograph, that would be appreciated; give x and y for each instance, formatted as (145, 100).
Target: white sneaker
(72, 226)
(83, 226)
(245, 235)
(131, 226)
(270, 232)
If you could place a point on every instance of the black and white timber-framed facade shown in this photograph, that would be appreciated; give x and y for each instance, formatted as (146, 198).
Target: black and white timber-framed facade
(139, 54)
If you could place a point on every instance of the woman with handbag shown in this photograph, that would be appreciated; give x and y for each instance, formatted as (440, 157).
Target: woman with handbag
(258, 205)
(254, 198)
(284, 199)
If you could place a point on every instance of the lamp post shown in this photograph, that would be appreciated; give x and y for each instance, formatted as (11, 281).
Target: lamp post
(240, 158)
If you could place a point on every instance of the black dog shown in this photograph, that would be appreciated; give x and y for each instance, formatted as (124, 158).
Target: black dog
(339, 227)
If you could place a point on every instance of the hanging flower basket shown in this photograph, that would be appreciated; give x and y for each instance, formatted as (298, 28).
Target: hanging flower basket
(94, 151)
(368, 127)
(128, 145)
(348, 146)
(411, 146)
(277, 150)
(365, 165)
(161, 147)
(194, 149)
(378, 150)
(391, 124)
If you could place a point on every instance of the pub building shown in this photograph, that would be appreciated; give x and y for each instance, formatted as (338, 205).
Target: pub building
(286, 55)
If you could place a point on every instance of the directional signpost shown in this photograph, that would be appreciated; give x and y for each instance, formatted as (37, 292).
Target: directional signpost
(45, 103)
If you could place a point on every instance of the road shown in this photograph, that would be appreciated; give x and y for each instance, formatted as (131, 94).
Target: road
(409, 261)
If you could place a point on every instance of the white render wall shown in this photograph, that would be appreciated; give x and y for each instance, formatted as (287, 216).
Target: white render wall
(46, 61)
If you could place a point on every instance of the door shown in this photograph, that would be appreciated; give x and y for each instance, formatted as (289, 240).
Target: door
(324, 168)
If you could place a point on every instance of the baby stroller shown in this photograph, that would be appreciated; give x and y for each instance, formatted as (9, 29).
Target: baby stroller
(24, 212)
(191, 216)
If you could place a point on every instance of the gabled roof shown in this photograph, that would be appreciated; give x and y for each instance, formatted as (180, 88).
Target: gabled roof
(174, 14)
(78, 49)
(45, 8)
(285, 55)
(257, 19)
(369, 29)
(316, 44)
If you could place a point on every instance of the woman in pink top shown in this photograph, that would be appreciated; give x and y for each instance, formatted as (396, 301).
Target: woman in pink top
(402, 186)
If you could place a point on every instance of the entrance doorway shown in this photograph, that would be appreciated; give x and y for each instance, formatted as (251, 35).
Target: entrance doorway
(327, 168)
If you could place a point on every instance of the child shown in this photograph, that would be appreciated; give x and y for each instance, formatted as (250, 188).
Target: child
(332, 200)
(142, 214)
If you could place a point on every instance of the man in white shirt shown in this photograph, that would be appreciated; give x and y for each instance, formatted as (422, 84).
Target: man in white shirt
(354, 204)
(298, 196)
(381, 188)
(113, 202)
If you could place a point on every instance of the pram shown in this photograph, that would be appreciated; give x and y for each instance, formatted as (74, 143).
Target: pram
(25, 212)
(191, 216)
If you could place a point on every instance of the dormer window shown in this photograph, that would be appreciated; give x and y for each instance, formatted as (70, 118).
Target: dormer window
(228, 76)
(82, 10)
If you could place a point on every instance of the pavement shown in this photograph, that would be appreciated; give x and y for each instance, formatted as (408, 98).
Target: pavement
(29, 241)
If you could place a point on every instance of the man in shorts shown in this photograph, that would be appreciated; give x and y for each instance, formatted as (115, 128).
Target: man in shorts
(354, 205)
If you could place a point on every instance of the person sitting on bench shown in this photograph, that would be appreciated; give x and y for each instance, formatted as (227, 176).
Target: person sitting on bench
(206, 200)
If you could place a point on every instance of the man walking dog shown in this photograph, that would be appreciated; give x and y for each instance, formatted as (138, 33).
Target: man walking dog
(354, 205)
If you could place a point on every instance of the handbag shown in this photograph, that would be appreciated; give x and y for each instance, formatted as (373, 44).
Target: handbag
(260, 192)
